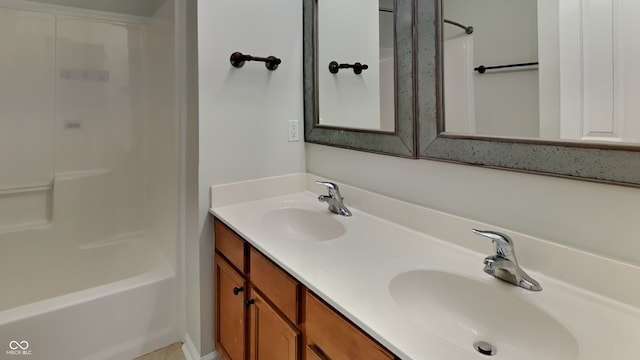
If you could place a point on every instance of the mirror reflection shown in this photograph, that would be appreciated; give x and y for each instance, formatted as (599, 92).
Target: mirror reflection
(355, 71)
(535, 69)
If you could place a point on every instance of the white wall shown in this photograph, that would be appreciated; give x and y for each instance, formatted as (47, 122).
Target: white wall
(347, 99)
(595, 217)
(242, 135)
(243, 116)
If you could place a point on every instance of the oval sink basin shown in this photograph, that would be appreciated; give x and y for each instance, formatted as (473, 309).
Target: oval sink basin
(301, 224)
(465, 311)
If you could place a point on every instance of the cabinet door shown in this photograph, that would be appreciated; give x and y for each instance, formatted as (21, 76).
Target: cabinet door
(271, 336)
(229, 310)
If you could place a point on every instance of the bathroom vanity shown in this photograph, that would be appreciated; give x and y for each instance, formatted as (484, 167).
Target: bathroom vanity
(396, 280)
(280, 311)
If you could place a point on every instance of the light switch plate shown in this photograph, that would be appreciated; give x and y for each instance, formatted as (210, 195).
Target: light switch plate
(294, 130)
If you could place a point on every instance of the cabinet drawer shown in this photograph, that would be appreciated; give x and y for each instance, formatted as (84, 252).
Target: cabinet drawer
(333, 337)
(312, 353)
(230, 245)
(280, 288)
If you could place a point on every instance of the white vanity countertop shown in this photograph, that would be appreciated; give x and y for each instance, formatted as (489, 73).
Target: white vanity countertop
(353, 271)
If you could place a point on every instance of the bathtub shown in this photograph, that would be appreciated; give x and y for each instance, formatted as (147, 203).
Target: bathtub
(90, 184)
(114, 298)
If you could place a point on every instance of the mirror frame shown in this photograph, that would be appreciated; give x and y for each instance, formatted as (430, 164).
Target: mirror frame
(607, 163)
(402, 141)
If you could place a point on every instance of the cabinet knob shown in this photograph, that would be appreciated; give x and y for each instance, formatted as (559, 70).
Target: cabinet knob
(237, 290)
(249, 302)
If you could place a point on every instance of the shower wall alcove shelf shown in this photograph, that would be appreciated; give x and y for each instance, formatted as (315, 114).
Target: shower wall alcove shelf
(482, 69)
(238, 59)
(334, 67)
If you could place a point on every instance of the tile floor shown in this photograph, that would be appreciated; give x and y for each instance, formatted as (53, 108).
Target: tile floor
(171, 352)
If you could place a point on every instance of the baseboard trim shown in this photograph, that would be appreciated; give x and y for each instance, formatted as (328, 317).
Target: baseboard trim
(191, 353)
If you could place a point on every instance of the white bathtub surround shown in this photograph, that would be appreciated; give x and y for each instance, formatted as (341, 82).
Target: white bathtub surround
(77, 289)
(25, 208)
(587, 294)
(89, 210)
(459, 103)
(118, 320)
(82, 288)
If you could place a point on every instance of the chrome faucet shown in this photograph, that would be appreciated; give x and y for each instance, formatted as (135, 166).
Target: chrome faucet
(334, 199)
(504, 264)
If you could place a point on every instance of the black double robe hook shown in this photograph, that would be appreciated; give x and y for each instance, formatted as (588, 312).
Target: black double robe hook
(334, 67)
(238, 59)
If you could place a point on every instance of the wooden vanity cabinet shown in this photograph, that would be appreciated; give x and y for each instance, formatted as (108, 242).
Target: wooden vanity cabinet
(329, 336)
(262, 313)
(271, 336)
(229, 311)
(231, 246)
(311, 352)
(278, 286)
(256, 303)
(230, 287)
(273, 313)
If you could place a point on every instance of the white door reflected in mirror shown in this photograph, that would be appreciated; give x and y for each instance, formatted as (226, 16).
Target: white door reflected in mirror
(358, 91)
(584, 86)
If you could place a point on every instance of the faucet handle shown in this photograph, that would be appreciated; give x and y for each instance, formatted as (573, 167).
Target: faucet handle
(332, 187)
(503, 243)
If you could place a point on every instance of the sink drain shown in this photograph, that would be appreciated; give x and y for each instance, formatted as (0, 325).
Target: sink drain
(485, 348)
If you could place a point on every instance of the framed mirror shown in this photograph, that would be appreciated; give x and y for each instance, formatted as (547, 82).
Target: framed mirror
(537, 87)
(359, 75)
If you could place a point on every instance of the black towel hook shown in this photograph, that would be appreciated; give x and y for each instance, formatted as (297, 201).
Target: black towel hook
(238, 59)
(334, 67)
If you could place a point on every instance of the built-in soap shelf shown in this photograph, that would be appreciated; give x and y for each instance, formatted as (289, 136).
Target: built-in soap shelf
(23, 208)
